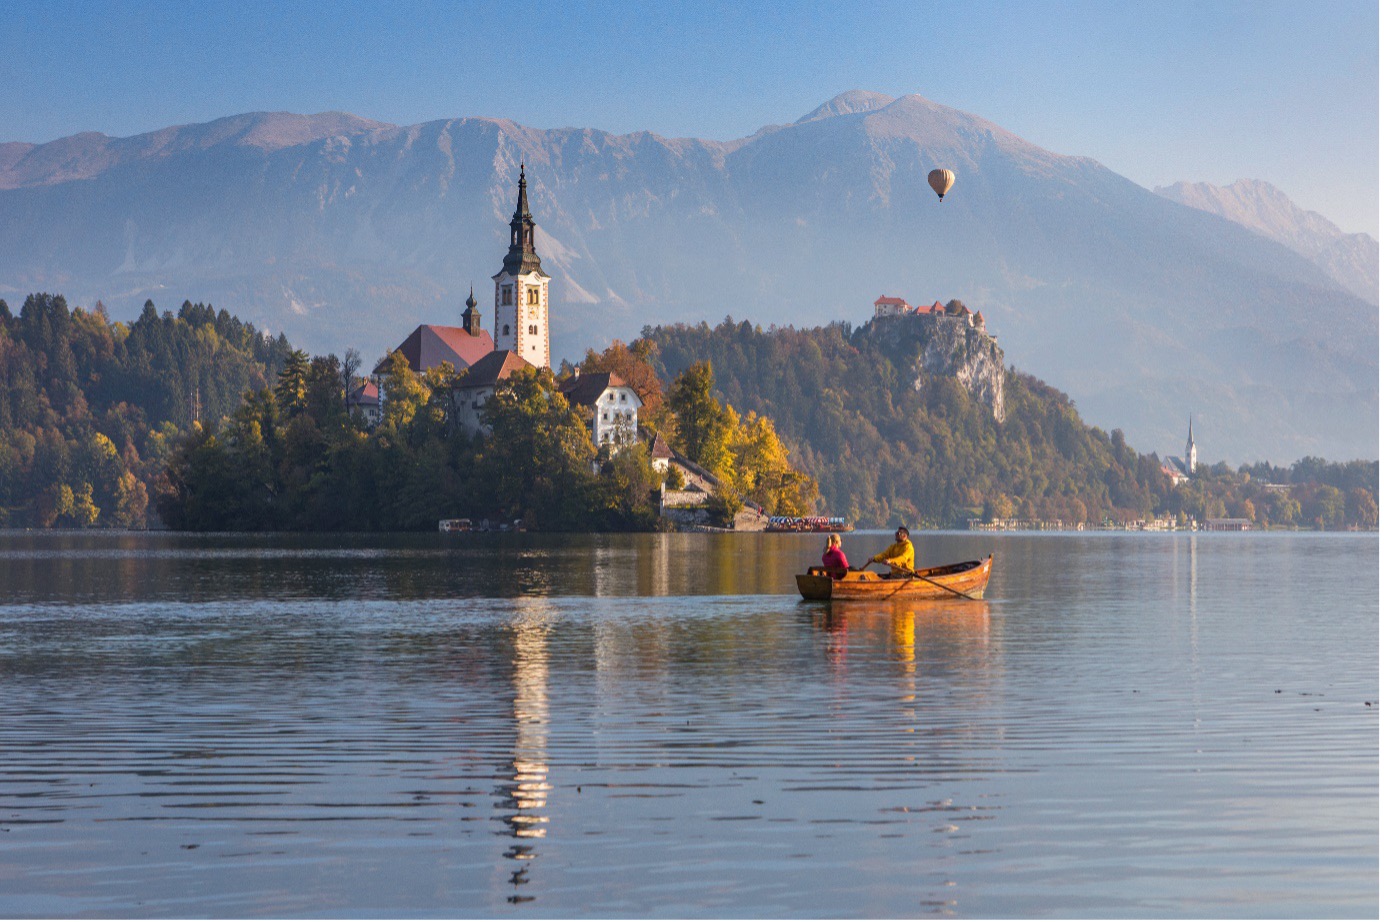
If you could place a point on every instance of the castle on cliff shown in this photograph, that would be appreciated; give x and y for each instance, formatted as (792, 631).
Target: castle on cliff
(945, 340)
(888, 306)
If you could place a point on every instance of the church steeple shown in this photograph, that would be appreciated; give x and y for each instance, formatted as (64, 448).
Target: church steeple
(521, 258)
(521, 290)
(1191, 449)
(471, 318)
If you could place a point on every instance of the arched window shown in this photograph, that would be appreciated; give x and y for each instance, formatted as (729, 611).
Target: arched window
(533, 295)
(506, 295)
(506, 332)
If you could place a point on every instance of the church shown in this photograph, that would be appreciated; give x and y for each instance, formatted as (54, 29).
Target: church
(519, 340)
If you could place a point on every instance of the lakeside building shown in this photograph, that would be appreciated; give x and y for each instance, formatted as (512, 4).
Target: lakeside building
(1227, 525)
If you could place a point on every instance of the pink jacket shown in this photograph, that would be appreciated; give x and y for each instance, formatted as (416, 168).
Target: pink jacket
(835, 559)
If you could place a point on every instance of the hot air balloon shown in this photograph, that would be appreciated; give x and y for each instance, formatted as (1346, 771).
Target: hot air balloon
(941, 182)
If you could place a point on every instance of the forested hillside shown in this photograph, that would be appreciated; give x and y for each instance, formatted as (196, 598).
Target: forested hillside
(90, 409)
(884, 452)
(203, 417)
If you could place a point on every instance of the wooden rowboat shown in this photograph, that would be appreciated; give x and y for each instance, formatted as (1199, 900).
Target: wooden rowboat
(956, 580)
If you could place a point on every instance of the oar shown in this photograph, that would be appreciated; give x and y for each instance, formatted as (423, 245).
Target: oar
(935, 583)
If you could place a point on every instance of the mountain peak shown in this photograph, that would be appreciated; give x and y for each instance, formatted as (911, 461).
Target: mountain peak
(848, 103)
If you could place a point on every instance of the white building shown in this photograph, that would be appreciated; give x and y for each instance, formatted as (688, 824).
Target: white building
(614, 406)
(521, 291)
(1191, 450)
(886, 306)
(365, 400)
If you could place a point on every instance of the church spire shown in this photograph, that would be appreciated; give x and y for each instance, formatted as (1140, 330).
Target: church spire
(1191, 456)
(522, 209)
(522, 258)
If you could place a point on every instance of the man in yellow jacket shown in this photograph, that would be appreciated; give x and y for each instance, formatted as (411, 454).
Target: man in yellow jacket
(898, 555)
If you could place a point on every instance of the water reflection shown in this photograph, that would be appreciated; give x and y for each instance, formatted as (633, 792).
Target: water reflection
(949, 634)
(524, 792)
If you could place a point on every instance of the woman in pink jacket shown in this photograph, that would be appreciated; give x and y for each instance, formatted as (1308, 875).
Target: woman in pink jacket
(834, 560)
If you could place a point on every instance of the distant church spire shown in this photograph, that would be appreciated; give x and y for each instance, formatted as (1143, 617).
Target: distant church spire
(471, 318)
(1191, 448)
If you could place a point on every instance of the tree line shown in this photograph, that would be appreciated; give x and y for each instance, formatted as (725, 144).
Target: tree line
(90, 409)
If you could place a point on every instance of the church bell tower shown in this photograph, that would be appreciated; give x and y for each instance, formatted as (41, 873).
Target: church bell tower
(521, 290)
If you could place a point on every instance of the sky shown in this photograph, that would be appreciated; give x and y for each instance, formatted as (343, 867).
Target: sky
(1198, 90)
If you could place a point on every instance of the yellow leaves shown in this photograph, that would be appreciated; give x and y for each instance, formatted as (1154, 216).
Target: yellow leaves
(103, 449)
(405, 392)
(760, 470)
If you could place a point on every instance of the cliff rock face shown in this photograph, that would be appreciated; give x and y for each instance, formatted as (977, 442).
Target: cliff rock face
(935, 344)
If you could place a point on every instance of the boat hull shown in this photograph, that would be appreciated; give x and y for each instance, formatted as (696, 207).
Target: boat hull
(954, 581)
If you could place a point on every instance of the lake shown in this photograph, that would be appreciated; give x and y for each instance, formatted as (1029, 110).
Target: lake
(528, 726)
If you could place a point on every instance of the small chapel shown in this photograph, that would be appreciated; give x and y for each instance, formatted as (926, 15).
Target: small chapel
(519, 340)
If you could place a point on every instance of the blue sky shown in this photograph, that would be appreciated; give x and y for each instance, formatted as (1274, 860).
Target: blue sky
(1215, 90)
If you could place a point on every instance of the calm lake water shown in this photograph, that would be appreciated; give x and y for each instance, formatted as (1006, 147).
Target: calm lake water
(529, 726)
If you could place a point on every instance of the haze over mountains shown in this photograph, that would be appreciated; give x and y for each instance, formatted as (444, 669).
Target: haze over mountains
(346, 232)
(1351, 259)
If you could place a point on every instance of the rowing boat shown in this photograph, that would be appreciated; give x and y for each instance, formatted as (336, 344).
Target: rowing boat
(956, 580)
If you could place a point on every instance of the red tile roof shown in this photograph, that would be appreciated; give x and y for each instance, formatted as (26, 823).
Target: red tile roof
(585, 390)
(883, 300)
(659, 450)
(366, 395)
(493, 368)
(430, 346)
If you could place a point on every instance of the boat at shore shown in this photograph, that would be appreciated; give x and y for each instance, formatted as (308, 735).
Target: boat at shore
(807, 523)
(965, 580)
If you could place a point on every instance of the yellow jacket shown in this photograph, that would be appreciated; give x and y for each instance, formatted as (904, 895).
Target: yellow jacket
(898, 555)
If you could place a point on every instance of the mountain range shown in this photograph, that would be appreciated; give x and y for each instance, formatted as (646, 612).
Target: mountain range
(341, 231)
(1352, 260)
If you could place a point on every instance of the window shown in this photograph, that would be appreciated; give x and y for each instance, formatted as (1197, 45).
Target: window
(622, 398)
(506, 328)
(507, 295)
(605, 417)
(533, 295)
(533, 330)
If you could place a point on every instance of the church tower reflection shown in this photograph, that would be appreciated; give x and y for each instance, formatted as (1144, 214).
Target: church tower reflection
(523, 792)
